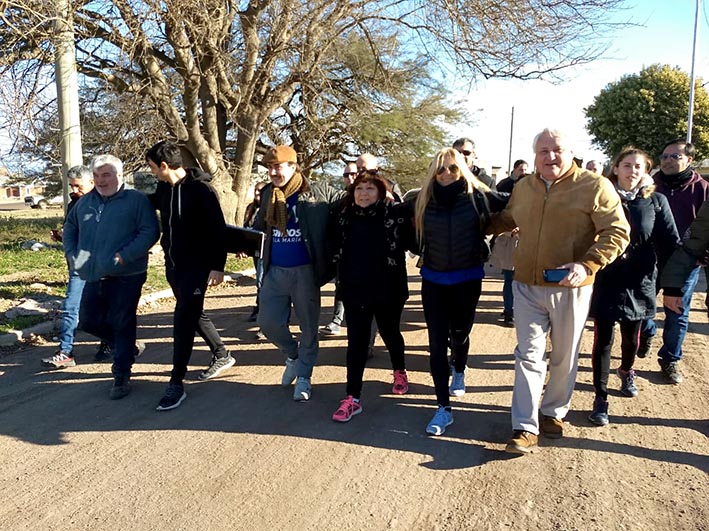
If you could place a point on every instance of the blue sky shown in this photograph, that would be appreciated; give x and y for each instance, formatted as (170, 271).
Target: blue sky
(664, 35)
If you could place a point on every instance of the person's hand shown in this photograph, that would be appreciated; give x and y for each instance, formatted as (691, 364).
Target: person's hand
(577, 274)
(215, 278)
(672, 303)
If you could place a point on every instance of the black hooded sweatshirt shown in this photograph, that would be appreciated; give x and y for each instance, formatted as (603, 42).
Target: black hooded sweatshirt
(193, 227)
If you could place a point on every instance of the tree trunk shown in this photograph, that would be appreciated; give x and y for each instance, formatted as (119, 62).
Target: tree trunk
(248, 128)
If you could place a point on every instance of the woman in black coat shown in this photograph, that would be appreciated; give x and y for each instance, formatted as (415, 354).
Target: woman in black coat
(624, 292)
(370, 238)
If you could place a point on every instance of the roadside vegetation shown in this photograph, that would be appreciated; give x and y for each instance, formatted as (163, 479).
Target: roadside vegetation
(42, 274)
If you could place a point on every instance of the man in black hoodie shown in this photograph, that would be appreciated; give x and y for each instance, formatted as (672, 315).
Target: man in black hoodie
(193, 234)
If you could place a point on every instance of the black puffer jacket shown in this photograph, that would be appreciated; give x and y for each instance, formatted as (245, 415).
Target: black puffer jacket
(454, 227)
(625, 289)
(193, 227)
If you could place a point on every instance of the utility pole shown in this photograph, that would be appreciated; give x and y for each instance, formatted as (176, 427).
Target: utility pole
(690, 119)
(67, 83)
(512, 129)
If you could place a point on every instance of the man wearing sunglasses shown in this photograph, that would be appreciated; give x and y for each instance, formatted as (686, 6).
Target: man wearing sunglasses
(686, 191)
(466, 147)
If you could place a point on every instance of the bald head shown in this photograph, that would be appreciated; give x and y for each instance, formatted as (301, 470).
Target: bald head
(367, 161)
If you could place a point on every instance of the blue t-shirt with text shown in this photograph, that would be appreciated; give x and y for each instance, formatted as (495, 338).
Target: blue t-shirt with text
(288, 250)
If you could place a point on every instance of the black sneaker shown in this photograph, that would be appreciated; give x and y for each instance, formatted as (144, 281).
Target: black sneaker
(172, 398)
(254, 315)
(60, 360)
(599, 415)
(644, 346)
(216, 366)
(121, 387)
(671, 371)
(508, 320)
(104, 352)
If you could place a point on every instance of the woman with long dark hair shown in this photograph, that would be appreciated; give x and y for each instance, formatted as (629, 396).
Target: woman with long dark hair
(624, 291)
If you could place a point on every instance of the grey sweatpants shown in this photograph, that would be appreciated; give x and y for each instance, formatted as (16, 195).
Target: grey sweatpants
(281, 287)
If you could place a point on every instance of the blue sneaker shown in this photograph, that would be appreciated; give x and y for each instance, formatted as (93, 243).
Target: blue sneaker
(440, 421)
(457, 387)
(627, 382)
(599, 415)
(302, 390)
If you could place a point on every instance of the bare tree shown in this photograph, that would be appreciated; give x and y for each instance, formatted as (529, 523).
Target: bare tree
(216, 71)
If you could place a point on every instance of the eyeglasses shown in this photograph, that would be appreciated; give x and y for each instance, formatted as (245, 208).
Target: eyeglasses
(375, 171)
(453, 168)
(350, 174)
(675, 156)
(465, 152)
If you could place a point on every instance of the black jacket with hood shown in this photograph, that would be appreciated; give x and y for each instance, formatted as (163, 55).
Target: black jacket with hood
(193, 227)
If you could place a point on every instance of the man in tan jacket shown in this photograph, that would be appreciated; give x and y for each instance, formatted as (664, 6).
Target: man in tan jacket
(568, 219)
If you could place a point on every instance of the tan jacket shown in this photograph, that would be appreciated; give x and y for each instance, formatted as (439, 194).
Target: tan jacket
(580, 219)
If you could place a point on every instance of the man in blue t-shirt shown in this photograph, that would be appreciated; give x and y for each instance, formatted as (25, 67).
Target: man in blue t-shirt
(294, 216)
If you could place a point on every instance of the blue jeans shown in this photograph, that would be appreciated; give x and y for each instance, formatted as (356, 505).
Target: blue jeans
(507, 297)
(108, 311)
(283, 286)
(675, 324)
(70, 311)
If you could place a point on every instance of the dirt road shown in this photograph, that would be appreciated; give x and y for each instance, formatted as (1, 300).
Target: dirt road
(240, 454)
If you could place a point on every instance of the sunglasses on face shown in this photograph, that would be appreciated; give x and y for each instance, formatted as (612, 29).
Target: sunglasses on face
(370, 172)
(465, 152)
(453, 168)
(675, 156)
(350, 174)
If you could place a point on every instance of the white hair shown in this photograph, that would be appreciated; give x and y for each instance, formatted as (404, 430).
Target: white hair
(554, 133)
(107, 160)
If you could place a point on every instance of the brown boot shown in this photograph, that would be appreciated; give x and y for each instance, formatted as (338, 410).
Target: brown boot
(522, 442)
(552, 428)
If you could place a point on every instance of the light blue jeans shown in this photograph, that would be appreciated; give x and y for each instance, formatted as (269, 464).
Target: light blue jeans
(283, 286)
(70, 311)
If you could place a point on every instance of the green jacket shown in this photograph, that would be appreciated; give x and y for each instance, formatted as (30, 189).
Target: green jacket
(687, 255)
(315, 202)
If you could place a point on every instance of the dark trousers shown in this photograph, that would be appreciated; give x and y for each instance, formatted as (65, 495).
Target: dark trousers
(359, 330)
(450, 312)
(189, 288)
(108, 311)
(604, 331)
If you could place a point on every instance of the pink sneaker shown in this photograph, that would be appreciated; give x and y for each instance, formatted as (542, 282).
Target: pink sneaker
(401, 383)
(348, 409)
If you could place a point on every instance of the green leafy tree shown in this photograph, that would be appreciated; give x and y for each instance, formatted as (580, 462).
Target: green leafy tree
(647, 110)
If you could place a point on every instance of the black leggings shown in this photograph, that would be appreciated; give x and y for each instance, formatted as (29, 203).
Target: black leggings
(450, 312)
(359, 331)
(604, 331)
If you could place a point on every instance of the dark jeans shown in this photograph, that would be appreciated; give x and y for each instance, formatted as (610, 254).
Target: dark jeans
(189, 288)
(359, 331)
(108, 311)
(604, 331)
(508, 297)
(450, 312)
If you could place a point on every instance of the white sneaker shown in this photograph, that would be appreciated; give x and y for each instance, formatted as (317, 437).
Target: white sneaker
(290, 372)
(302, 389)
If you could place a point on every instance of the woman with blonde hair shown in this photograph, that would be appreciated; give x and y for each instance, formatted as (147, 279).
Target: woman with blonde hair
(451, 214)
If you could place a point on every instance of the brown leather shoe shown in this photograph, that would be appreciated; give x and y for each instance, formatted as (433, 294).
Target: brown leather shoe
(552, 428)
(522, 442)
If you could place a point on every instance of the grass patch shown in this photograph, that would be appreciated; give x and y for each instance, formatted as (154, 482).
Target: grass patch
(21, 322)
(14, 229)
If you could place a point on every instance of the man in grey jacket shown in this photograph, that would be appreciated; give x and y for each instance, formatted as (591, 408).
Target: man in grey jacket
(107, 237)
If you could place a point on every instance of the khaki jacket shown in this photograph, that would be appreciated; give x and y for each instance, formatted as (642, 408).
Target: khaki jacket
(580, 219)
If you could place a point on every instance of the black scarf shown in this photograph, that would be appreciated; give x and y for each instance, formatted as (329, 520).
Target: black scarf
(446, 196)
(678, 180)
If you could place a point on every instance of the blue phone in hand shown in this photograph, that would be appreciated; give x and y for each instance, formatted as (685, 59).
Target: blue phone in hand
(555, 275)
